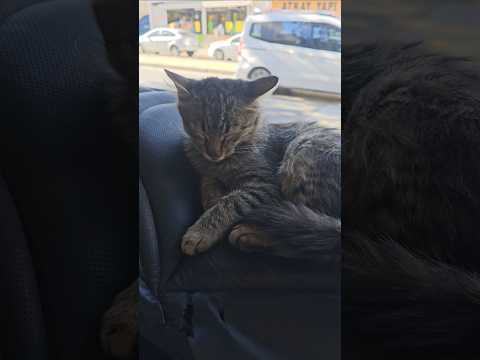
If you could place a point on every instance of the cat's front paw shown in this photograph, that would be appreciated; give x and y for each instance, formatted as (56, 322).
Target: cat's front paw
(197, 241)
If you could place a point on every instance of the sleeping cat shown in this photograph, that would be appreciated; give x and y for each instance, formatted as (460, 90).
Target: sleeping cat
(411, 195)
(290, 172)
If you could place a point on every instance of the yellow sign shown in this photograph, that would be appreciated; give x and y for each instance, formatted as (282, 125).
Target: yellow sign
(335, 7)
(228, 26)
(198, 26)
(238, 26)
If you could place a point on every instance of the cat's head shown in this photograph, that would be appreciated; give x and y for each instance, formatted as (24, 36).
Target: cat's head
(219, 114)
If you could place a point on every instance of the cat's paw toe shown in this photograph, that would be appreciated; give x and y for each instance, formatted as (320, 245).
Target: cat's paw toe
(195, 242)
(248, 237)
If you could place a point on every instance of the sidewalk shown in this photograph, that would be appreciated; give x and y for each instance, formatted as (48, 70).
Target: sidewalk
(189, 63)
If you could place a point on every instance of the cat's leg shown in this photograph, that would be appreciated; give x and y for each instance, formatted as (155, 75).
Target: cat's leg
(217, 221)
(118, 334)
(290, 231)
(248, 237)
(211, 190)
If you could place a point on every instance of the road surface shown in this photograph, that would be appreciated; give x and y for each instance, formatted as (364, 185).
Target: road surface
(274, 107)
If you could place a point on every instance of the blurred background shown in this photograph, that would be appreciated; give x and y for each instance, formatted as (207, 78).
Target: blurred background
(449, 27)
(297, 40)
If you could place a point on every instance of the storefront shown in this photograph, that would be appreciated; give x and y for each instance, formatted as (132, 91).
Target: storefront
(214, 17)
(185, 19)
(226, 21)
(332, 6)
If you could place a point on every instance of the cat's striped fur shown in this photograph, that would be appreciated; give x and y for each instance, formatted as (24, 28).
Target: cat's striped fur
(270, 187)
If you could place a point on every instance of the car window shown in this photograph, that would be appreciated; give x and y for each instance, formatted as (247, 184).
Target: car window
(297, 33)
(155, 33)
(326, 37)
(287, 33)
(185, 33)
(167, 33)
(235, 41)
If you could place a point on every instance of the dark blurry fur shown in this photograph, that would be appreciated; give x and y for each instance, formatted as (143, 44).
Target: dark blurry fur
(118, 332)
(119, 325)
(411, 189)
(121, 44)
(268, 187)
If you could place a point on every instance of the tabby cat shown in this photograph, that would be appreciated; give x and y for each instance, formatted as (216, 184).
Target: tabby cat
(269, 187)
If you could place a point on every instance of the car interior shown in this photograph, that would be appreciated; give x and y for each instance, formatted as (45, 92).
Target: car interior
(69, 207)
(223, 303)
(72, 208)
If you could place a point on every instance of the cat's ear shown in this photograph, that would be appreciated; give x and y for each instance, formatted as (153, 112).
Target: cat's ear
(182, 84)
(260, 86)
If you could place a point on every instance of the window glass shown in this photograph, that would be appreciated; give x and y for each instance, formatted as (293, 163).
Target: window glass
(326, 37)
(296, 33)
(256, 31)
(288, 33)
(226, 21)
(189, 20)
(167, 33)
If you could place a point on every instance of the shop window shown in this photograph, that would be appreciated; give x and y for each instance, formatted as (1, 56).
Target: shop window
(185, 19)
(226, 21)
(144, 25)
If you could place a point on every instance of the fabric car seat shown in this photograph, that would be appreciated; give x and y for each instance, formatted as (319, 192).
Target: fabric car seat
(68, 187)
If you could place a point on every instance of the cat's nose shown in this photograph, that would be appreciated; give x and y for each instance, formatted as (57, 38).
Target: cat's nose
(214, 149)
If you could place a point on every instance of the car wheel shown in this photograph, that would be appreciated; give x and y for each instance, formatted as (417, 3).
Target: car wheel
(218, 54)
(174, 51)
(258, 73)
(190, 53)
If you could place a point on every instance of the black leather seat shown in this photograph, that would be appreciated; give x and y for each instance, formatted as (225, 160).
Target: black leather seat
(68, 189)
(223, 304)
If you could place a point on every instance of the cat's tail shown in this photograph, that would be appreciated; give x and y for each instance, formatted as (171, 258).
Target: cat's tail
(395, 303)
(398, 303)
(295, 232)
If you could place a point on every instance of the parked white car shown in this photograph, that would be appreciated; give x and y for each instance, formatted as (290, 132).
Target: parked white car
(225, 49)
(302, 49)
(167, 41)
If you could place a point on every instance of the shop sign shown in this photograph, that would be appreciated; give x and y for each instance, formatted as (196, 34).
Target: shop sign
(308, 5)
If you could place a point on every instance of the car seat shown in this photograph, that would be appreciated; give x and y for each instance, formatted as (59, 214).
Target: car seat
(223, 304)
(68, 187)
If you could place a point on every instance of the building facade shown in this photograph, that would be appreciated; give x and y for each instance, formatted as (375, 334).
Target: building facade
(212, 17)
(333, 7)
(218, 18)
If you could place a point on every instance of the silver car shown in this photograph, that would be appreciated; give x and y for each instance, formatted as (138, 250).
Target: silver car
(165, 41)
(225, 49)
